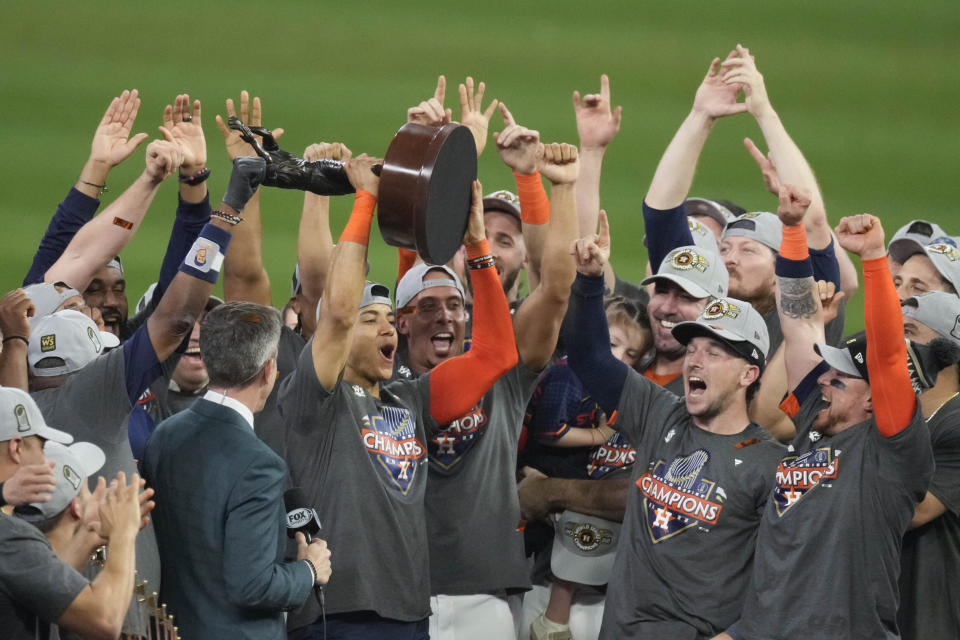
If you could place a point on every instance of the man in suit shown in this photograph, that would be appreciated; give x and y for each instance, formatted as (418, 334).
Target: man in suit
(220, 515)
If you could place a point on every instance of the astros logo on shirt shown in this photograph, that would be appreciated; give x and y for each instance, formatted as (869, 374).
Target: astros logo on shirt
(390, 438)
(796, 475)
(676, 496)
(448, 447)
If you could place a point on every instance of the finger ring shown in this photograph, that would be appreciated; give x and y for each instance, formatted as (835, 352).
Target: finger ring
(188, 118)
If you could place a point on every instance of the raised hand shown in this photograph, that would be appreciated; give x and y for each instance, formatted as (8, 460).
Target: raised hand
(558, 162)
(431, 112)
(830, 299)
(770, 175)
(472, 114)
(716, 98)
(248, 172)
(359, 171)
(592, 252)
(863, 235)
(475, 229)
(16, 309)
(251, 117)
(794, 202)
(182, 125)
(327, 151)
(120, 507)
(597, 125)
(163, 158)
(518, 146)
(112, 143)
(739, 71)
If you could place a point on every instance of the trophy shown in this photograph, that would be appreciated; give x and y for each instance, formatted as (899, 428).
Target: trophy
(425, 183)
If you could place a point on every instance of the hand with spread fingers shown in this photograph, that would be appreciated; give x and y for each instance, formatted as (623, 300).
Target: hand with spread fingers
(597, 125)
(251, 115)
(518, 146)
(558, 162)
(112, 143)
(182, 125)
(473, 115)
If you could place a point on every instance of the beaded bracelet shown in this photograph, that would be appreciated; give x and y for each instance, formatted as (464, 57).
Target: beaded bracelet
(197, 178)
(229, 218)
(481, 262)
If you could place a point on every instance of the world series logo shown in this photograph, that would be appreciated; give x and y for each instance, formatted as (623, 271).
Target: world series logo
(798, 475)
(391, 440)
(676, 496)
(449, 446)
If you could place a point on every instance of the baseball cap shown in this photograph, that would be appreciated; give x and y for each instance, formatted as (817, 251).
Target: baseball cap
(503, 200)
(375, 293)
(938, 310)
(46, 297)
(946, 259)
(702, 236)
(73, 465)
(584, 548)
(850, 358)
(762, 226)
(735, 323)
(413, 282)
(697, 271)
(911, 238)
(115, 263)
(71, 337)
(20, 417)
(711, 208)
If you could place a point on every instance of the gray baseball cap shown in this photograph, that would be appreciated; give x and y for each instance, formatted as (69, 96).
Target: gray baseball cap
(20, 417)
(375, 293)
(705, 207)
(735, 323)
(73, 465)
(850, 358)
(697, 271)
(46, 298)
(938, 310)
(702, 236)
(912, 237)
(503, 200)
(70, 339)
(413, 282)
(762, 226)
(946, 259)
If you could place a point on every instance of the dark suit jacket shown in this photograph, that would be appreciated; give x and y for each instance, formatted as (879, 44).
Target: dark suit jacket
(220, 526)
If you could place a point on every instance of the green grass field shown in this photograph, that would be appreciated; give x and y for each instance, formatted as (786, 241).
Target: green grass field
(868, 90)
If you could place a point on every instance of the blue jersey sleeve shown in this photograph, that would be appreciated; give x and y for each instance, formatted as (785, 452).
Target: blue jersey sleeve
(141, 363)
(666, 229)
(76, 210)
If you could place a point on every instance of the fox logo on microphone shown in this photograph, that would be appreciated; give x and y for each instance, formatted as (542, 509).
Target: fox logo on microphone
(299, 518)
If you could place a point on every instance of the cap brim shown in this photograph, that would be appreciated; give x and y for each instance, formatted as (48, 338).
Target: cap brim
(902, 248)
(54, 435)
(839, 359)
(109, 340)
(686, 331)
(687, 285)
(583, 567)
(90, 456)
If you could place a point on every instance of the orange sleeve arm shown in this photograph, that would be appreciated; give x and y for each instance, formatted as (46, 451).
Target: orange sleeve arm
(457, 384)
(894, 401)
(534, 203)
(406, 258)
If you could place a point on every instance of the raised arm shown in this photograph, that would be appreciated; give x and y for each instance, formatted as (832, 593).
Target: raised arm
(314, 240)
(458, 383)
(597, 126)
(106, 235)
(345, 281)
(891, 391)
(674, 175)
(537, 321)
(16, 309)
(519, 147)
(244, 276)
(111, 145)
(181, 305)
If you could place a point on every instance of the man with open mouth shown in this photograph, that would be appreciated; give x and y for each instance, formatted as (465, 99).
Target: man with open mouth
(702, 470)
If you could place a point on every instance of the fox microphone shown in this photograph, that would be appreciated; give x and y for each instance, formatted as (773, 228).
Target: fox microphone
(302, 518)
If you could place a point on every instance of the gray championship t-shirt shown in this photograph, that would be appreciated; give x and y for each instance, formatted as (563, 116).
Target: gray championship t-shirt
(362, 463)
(36, 587)
(696, 499)
(930, 558)
(828, 549)
(472, 507)
(92, 405)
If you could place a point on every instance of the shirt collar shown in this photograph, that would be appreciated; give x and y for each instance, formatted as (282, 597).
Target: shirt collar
(233, 403)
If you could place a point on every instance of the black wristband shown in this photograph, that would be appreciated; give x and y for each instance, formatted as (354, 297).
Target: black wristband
(8, 338)
(196, 178)
(481, 262)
